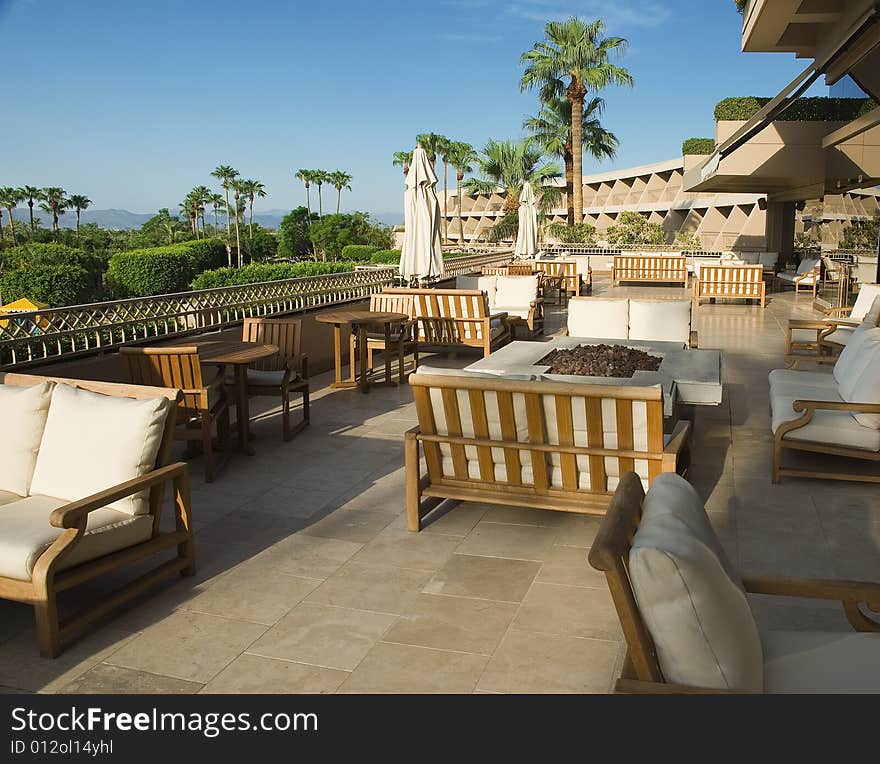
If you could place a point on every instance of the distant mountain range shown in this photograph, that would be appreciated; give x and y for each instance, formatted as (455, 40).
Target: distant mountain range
(122, 220)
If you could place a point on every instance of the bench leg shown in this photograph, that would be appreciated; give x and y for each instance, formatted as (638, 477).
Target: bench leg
(411, 463)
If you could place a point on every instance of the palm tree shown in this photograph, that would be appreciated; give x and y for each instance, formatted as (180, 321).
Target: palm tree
(403, 159)
(444, 146)
(189, 206)
(509, 164)
(238, 190)
(319, 177)
(306, 176)
(32, 194)
(202, 196)
(339, 179)
(216, 201)
(462, 157)
(431, 143)
(79, 202)
(226, 174)
(253, 189)
(552, 130)
(573, 60)
(54, 202)
(10, 198)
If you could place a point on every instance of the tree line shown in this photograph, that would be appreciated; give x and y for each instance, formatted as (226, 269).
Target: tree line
(51, 199)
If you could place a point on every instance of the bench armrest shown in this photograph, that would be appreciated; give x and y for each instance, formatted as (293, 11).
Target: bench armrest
(813, 406)
(680, 436)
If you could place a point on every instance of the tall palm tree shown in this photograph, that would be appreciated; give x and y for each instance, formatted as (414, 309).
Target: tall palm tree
(306, 176)
(226, 174)
(238, 191)
(54, 202)
(444, 146)
(552, 130)
(202, 196)
(253, 189)
(339, 179)
(79, 202)
(10, 198)
(572, 59)
(32, 194)
(319, 177)
(403, 159)
(189, 207)
(508, 165)
(216, 201)
(462, 157)
(431, 143)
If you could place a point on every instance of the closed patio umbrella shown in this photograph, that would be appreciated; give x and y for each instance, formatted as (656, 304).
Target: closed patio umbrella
(527, 233)
(422, 255)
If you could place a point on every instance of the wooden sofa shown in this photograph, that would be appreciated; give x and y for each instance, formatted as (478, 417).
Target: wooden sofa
(632, 319)
(83, 470)
(837, 413)
(453, 318)
(649, 269)
(729, 282)
(518, 296)
(546, 445)
(685, 616)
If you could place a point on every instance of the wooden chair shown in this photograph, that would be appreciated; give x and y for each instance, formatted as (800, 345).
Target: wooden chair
(561, 275)
(402, 337)
(522, 269)
(281, 374)
(202, 403)
(642, 672)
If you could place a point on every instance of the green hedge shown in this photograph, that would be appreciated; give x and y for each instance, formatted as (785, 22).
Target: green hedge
(162, 270)
(698, 146)
(259, 272)
(358, 252)
(579, 233)
(57, 285)
(385, 257)
(803, 110)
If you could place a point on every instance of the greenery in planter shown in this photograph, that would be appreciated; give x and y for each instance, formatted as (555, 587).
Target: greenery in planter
(861, 234)
(633, 228)
(385, 257)
(255, 273)
(803, 110)
(687, 242)
(579, 233)
(358, 252)
(57, 285)
(698, 146)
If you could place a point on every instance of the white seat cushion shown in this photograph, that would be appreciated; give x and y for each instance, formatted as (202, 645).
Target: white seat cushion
(519, 291)
(596, 317)
(23, 412)
(517, 311)
(660, 320)
(821, 379)
(93, 442)
(25, 533)
(689, 595)
(841, 335)
(821, 662)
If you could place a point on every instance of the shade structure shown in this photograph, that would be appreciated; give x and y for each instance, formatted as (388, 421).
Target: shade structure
(421, 255)
(527, 233)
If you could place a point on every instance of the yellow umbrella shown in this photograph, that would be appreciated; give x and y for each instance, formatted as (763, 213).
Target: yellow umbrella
(22, 305)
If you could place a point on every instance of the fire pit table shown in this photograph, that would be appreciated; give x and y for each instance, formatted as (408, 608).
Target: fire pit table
(687, 376)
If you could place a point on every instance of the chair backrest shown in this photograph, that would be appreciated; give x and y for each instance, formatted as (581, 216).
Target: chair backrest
(806, 265)
(557, 267)
(660, 320)
(537, 438)
(521, 269)
(864, 300)
(176, 367)
(447, 315)
(598, 317)
(391, 303)
(493, 270)
(284, 333)
(832, 269)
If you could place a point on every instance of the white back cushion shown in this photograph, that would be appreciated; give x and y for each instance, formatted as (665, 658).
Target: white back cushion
(868, 293)
(23, 412)
(93, 442)
(806, 265)
(866, 386)
(485, 284)
(516, 291)
(846, 367)
(689, 595)
(660, 320)
(595, 317)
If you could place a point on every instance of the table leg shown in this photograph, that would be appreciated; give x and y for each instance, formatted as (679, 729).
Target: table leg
(337, 353)
(388, 354)
(362, 352)
(242, 412)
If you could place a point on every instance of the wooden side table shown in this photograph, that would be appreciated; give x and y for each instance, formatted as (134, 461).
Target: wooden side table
(360, 321)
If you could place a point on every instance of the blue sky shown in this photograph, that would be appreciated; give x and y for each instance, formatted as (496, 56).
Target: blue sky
(133, 102)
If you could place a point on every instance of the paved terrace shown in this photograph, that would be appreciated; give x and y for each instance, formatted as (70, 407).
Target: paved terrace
(308, 581)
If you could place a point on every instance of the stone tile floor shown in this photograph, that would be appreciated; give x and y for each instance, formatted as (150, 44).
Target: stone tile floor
(309, 582)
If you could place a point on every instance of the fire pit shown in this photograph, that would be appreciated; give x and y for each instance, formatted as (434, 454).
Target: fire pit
(600, 361)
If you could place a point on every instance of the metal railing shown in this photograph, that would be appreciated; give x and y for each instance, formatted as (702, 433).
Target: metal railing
(591, 249)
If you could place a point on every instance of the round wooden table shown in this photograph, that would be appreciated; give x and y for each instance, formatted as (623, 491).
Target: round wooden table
(359, 321)
(239, 355)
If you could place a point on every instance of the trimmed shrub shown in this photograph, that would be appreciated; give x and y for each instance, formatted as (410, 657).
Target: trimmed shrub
(358, 252)
(385, 257)
(802, 110)
(144, 272)
(205, 253)
(698, 146)
(579, 233)
(57, 285)
(255, 273)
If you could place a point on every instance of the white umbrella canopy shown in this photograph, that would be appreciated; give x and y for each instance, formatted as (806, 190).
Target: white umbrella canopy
(421, 255)
(527, 233)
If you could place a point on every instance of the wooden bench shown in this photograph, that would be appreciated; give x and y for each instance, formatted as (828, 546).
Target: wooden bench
(545, 445)
(731, 282)
(651, 269)
(456, 318)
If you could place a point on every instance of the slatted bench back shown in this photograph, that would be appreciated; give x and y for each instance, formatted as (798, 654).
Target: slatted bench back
(742, 281)
(649, 268)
